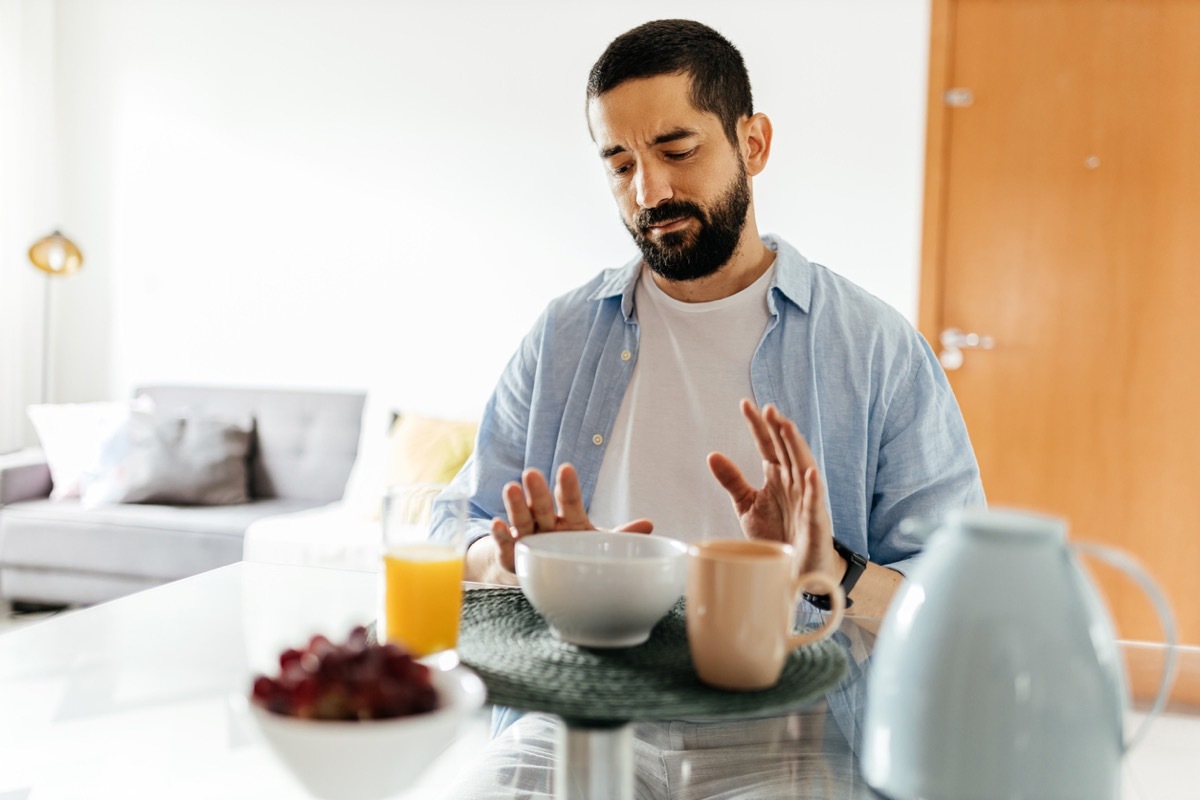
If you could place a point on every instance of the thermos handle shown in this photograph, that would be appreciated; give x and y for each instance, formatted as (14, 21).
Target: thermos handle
(1130, 567)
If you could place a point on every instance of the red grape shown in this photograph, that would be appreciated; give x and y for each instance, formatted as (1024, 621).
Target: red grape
(347, 681)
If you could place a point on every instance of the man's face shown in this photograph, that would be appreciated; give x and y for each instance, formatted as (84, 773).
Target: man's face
(680, 185)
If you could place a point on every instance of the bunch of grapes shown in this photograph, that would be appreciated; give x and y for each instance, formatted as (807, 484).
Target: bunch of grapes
(356, 680)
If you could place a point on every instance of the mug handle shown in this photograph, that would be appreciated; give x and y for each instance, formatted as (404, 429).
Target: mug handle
(1166, 619)
(832, 619)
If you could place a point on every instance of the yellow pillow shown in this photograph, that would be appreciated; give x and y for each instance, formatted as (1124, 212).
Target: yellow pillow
(427, 450)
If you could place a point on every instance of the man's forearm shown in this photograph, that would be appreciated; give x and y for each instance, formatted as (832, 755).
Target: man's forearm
(874, 591)
(483, 563)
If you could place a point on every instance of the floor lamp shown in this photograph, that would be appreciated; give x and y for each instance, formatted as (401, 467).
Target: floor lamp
(56, 256)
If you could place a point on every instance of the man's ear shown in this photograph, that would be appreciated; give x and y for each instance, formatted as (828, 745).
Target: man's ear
(756, 142)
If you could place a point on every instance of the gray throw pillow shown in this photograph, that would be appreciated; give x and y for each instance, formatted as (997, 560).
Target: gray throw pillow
(172, 459)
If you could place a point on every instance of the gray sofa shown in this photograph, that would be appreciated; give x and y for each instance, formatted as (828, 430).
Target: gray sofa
(57, 552)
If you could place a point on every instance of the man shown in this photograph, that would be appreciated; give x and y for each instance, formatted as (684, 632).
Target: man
(627, 390)
(632, 392)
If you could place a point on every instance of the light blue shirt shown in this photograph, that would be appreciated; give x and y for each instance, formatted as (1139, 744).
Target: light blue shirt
(858, 380)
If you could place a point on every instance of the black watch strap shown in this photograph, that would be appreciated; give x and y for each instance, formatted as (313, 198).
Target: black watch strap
(855, 566)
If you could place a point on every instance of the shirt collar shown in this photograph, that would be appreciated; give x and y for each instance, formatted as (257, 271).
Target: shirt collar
(793, 272)
(621, 281)
(793, 278)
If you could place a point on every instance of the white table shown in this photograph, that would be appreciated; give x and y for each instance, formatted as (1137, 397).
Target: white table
(132, 699)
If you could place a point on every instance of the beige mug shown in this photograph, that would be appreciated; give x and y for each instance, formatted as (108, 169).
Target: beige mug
(741, 604)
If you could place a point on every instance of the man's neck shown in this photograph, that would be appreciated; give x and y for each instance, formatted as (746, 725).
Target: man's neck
(747, 264)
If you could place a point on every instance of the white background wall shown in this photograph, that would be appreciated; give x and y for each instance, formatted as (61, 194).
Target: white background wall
(29, 202)
(383, 194)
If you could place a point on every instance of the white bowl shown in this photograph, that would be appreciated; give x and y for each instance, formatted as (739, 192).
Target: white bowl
(375, 758)
(600, 588)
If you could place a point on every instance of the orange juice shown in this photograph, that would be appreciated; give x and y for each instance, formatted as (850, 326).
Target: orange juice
(423, 596)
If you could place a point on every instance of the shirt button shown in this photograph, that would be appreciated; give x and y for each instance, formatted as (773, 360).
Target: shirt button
(597, 439)
(626, 355)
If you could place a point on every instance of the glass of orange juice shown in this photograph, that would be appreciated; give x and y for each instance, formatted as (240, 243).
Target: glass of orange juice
(422, 579)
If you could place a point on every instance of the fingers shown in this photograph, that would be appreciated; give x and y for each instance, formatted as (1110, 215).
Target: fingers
(775, 421)
(811, 488)
(515, 503)
(794, 443)
(541, 502)
(758, 429)
(569, 496)
(807, 514)
(532, 508)
(794, 454)
(732, 480)
(777, 438)
(505, 543)
(813, 540)
(814, 491)
(636, 526)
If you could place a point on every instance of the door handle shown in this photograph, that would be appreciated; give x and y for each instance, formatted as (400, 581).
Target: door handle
(955, 341)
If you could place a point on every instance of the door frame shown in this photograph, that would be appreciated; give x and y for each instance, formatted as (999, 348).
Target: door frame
(933, 218)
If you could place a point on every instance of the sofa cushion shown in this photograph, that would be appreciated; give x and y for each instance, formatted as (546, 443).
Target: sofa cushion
(161, 542)
(304, 442)
(156, 457)
(55, 587)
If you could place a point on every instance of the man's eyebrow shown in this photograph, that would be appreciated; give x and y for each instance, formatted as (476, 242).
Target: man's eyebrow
(673, 136)
(669, 136)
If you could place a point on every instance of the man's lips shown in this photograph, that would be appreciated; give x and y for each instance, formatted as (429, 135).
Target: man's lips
(669, 226)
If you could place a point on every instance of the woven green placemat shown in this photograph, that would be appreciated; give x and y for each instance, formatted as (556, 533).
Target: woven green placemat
(509, 645)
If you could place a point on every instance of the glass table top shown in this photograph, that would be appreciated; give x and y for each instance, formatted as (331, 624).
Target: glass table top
(139, 697)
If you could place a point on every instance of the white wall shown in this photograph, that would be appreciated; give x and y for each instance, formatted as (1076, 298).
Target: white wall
(29, 202)
(384, 194)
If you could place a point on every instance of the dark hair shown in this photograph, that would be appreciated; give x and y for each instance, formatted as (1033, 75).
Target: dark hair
(720, 83)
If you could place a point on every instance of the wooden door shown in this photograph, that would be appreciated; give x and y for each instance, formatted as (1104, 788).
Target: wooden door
(1063, 221)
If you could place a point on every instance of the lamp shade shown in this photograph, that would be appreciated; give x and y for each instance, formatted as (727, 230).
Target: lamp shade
(56, 255)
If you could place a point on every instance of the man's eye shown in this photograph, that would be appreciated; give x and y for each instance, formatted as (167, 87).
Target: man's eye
(680, 156)
(621, 170)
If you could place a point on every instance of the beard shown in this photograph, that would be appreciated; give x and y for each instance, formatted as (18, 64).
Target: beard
(687, 256)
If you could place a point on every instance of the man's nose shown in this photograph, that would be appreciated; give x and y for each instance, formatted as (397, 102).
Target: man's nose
(653, 186)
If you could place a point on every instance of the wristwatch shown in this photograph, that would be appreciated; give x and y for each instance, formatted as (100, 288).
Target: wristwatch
(855, 566)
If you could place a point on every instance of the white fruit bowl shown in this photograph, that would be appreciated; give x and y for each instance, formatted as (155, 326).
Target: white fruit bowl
(371, 759)
(601, 588)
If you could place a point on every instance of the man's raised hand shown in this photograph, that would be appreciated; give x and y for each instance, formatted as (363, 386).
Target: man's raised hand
(790, 505)
(532, 509)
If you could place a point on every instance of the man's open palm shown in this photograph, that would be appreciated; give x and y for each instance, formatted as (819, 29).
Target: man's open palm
(790, 506)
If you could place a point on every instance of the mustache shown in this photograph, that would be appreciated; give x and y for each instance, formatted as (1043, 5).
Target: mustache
(648, 217)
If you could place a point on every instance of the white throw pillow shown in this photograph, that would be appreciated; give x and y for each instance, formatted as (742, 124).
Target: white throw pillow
(71, 435)
(363, 492)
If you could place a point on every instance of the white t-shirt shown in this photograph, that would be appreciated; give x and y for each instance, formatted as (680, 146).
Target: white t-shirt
(692, 371)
